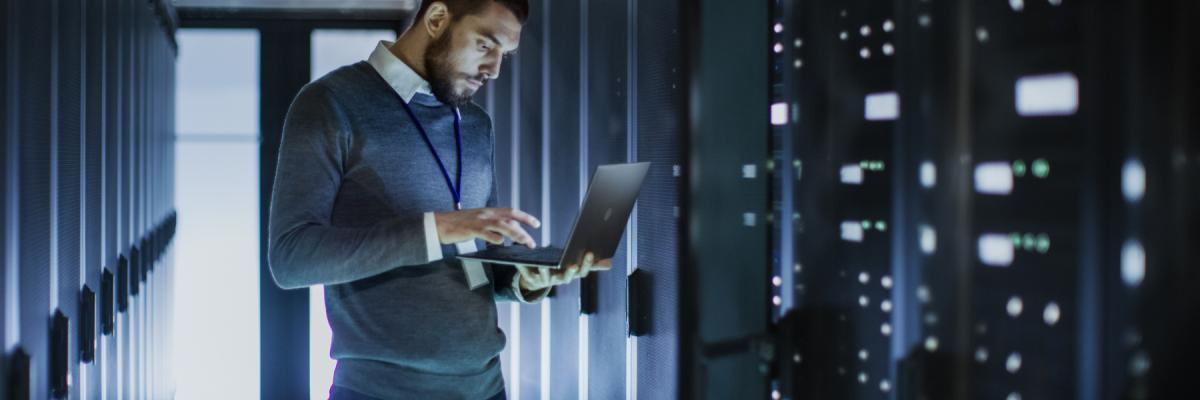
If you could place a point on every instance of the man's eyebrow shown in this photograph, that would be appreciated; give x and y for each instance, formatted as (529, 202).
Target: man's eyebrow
(491, 36)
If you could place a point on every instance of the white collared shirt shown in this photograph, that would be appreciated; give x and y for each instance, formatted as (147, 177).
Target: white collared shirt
(406, 82)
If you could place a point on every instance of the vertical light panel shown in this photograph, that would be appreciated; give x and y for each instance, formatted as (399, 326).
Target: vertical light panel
(12, 216)
(331, 49)
(584, 390)
(515, 199)
(631, 231)
(217, 281)
(544, 354)
(55, 34)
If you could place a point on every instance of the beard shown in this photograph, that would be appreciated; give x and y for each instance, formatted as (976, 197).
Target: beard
(442, 73)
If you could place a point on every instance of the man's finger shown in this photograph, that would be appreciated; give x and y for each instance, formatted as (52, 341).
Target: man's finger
(538, 277)
(602, 265)
(524, 217)
(568, 275)
(513, 232)
(529, 275)
(529, 240)
(491, 237)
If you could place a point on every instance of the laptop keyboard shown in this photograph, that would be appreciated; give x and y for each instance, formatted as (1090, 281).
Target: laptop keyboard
(541, 255)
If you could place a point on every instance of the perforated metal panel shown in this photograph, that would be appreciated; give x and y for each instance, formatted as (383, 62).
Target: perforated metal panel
(725, 215)
(34, 128)
(565, 192)
(7, 54)
(568, 105)
(94, 99)
(659, 110)
(607, 141)
(111, 178)
(68, 166)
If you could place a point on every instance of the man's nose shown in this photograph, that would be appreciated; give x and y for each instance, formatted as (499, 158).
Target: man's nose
(491, 68)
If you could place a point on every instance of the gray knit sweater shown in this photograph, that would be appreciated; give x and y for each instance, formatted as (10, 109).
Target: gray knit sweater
(353, 180)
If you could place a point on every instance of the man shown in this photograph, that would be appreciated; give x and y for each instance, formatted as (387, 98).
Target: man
(386, 172)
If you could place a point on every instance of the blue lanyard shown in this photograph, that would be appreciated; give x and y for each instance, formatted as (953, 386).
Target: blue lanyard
(456, 186)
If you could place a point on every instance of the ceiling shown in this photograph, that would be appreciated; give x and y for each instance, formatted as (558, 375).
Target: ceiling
(300, 5)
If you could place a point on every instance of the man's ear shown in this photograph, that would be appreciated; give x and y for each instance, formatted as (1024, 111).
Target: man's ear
(437, 19)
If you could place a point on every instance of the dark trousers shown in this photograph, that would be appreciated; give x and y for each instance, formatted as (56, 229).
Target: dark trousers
(341, 393)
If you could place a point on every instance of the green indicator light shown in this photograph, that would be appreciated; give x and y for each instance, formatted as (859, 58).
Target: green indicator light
(1016, 239)
(866, 224)
(864, 164)
(1018, 168)
(1043, 243)
(1028, 242)
(796, 163)
(880, 226)
(1041, 168)
(879, 165)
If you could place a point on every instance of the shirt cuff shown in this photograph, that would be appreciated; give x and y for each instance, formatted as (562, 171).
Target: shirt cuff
(533, 297)
(433, 246)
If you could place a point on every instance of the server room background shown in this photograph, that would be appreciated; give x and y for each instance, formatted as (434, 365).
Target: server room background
(848, 199)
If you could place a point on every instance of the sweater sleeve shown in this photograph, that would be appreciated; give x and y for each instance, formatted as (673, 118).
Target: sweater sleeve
(304, 248)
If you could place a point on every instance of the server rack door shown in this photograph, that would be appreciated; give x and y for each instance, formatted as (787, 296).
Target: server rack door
(497, 95)
(68, 167)
(849, 155)
(8, 57)
(659, 110)
(125, 196)
(562, 100)
(4, 179)
(35, 129)
(94, 98)
(724, 303)
(111, 185)
(528, 187)
(1152, 256)
(607, 142)
(1035, 108)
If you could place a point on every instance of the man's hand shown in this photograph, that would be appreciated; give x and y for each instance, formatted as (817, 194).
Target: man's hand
(490, 224)
(534, 279)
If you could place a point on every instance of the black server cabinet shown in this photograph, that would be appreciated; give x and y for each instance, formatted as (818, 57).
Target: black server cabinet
(6, 54)
(607, 126)
(68, 168)
(562, 88)
(1032, 167)
(724, 300)
(839, 108)
(658, 108)
(34, 131)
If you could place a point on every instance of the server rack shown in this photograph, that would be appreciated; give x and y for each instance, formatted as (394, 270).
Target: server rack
(1017, 155)
(66, 217)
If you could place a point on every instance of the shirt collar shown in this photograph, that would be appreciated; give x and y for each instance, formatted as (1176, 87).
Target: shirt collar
(401, 77)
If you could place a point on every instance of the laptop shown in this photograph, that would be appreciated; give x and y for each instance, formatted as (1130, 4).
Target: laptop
(598, 227)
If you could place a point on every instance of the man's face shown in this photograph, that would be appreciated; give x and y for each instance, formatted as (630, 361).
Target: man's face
(470, 52)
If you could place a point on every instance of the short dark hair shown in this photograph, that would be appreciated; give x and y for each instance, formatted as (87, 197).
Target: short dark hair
(460, 8)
